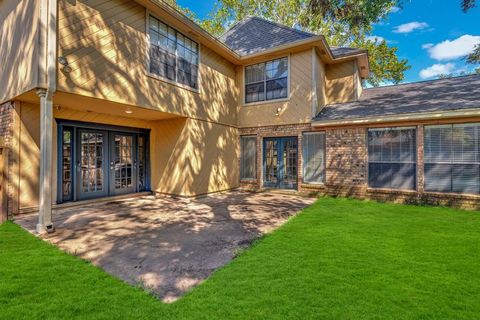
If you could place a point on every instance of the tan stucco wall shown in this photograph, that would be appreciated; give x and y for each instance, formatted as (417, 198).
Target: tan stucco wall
(19, 47)
(297, 109)
(105, 44)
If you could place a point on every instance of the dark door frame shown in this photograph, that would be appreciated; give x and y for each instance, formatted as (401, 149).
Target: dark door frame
(75, 127)
(280, 184)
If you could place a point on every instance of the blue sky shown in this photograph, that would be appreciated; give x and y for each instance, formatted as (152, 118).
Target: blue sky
(432, 34)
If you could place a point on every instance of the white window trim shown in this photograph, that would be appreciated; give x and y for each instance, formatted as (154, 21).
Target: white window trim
(148, 13)
(324, 159)
(267, 101)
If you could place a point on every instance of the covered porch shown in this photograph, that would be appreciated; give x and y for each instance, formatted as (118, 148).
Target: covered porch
(83, 148)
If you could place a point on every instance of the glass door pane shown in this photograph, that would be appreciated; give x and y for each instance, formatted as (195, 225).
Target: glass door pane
(289, 155)
(271, 163)
(91, 164)
(123, 162)
(142, 166)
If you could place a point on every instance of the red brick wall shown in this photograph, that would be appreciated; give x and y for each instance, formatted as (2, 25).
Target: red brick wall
(6, 128)
(347, 167)
(6, 121)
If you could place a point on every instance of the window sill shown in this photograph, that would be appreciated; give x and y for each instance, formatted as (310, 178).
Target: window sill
(453, 195)
(173, 83)
(248, 180)
(390, 190)
(265, 102)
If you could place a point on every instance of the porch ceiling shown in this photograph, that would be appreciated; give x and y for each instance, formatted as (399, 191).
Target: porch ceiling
(89, 104)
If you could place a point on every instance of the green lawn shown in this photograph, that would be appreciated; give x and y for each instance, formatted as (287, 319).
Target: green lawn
(338, 259)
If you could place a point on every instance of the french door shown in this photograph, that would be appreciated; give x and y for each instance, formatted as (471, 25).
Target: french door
(280, 162)
(100, 162)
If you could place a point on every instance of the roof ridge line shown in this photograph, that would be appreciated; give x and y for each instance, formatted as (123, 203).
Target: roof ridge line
(422, 81)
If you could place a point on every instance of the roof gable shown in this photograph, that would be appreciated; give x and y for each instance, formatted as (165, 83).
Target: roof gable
(253, 35)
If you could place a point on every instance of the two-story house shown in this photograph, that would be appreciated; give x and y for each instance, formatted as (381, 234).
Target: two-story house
(103, 98)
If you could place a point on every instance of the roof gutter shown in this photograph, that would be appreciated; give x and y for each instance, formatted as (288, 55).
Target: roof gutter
(400, 118)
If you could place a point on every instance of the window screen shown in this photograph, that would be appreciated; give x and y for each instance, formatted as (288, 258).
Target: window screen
(313, 144)
(248, 168)
(266, 81)
(172, 55)
(392, 158)
(452, 158)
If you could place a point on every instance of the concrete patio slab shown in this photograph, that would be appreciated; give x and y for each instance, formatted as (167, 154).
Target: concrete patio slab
(168, 245)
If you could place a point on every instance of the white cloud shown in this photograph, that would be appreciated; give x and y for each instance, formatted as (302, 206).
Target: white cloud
(448, 50)
(427, 45)
(436, 70)
(410, 27)
(375, 38)
(394, 9)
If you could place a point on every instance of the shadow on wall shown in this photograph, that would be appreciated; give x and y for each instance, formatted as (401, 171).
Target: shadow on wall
(194, 157)
(24, 170)
(19, 48)
(106, 47)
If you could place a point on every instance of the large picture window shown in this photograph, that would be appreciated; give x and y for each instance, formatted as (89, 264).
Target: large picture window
(313, 145)
(172, 55)
(248, 159)
(266, 81)
(392, 158)
(452, 158)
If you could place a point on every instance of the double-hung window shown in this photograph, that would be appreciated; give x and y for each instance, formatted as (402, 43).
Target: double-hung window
(452, 158)
(172, 55)
(266, 81)
(392, 158)
(313, 145)
(248, 158)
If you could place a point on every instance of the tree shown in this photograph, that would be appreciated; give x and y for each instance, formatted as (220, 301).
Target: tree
(342, 22)
(468, 4)
(473, 57)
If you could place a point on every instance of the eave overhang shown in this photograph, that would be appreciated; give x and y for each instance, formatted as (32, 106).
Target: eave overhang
(465, 113)
(193, 30)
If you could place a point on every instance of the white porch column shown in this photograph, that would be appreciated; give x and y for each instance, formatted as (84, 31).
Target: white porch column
(46, 158)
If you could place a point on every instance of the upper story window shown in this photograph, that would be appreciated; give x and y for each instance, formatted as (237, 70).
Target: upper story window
(172, 55)
(266, 81)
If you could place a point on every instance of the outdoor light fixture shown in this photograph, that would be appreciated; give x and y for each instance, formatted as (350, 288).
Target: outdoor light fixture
(64, 62)
(278, 111)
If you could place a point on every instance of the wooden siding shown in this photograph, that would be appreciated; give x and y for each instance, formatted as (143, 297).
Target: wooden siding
(106, 46)
(297, 109)
(340, 85)
(19, 47)
(321, 84)
(195, 157)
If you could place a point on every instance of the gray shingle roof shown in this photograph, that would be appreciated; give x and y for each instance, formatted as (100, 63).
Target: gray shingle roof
(428, 96)
(253, 35)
